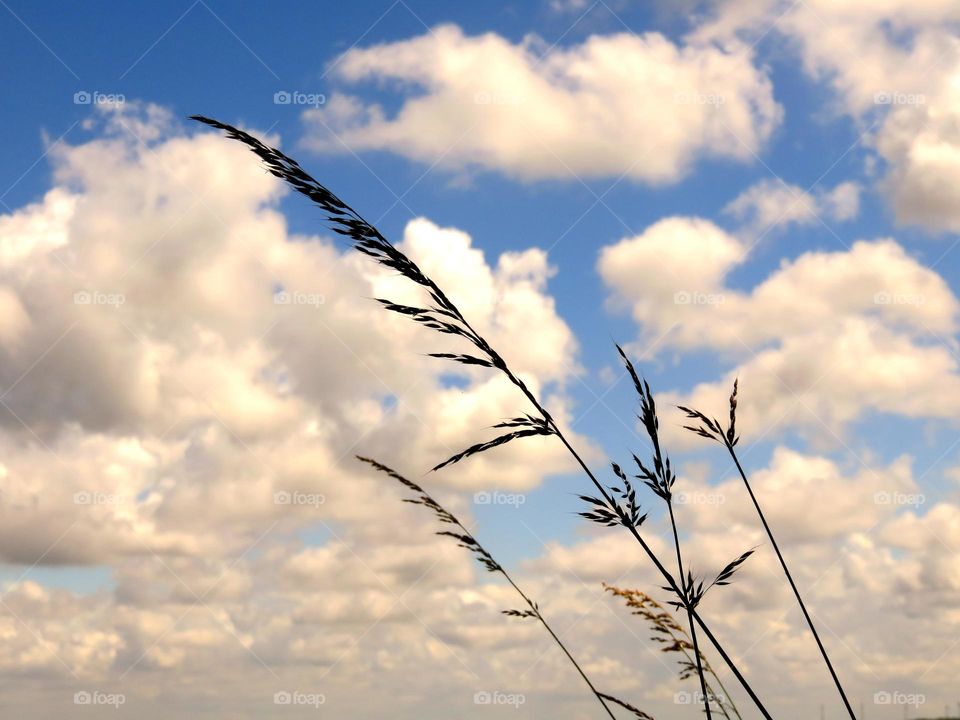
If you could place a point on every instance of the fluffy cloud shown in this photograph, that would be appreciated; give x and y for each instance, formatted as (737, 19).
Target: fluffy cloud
(869, 551)
(770, 203)
(184, 384)
(894, 66)
(638, 106)
(819, 342)
(349, 619)
(158, 394)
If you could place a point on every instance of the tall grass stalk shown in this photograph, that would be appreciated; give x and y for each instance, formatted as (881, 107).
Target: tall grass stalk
(466, 540)
(660, 480)
(711, 429)
(443, 316)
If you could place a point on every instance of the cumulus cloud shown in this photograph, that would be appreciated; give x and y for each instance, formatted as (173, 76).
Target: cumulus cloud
(637, 106)
(871, 550)
(894, 67)
(820, 341)
(771, 203)
(184, 385)
(184, 381)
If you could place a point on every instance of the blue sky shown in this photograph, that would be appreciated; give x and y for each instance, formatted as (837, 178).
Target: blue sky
(214, 58)
(210, 58)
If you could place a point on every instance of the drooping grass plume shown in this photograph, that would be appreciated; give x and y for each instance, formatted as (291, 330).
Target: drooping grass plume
(527, 427)
(466, 540)
(675, 639)
(443, 316)
(712, 430)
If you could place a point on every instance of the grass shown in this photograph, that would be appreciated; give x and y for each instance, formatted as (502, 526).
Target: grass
(467, 541)
(668, 632)
(712, 430)
(612, 505)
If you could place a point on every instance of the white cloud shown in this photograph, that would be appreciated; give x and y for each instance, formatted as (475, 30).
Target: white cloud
(819, 342)
(639, 106)
(867, 549)
(149, 371)
(157, 398)
(181, 410)
(770, 203)
(895, 67)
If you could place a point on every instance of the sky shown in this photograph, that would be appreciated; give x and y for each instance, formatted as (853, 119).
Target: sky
(758, 190)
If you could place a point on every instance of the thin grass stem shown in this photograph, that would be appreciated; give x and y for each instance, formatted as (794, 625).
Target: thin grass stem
(444, 317)
(468, 541)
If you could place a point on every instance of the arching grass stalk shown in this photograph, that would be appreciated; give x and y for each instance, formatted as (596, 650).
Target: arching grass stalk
(466, 540)
(660, 480)
(443, 316)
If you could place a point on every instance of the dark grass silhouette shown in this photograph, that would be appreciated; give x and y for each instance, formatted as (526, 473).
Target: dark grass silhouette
(712, 430)
(444, 317)
(467, 541)
(660, 479)
(675, 639)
